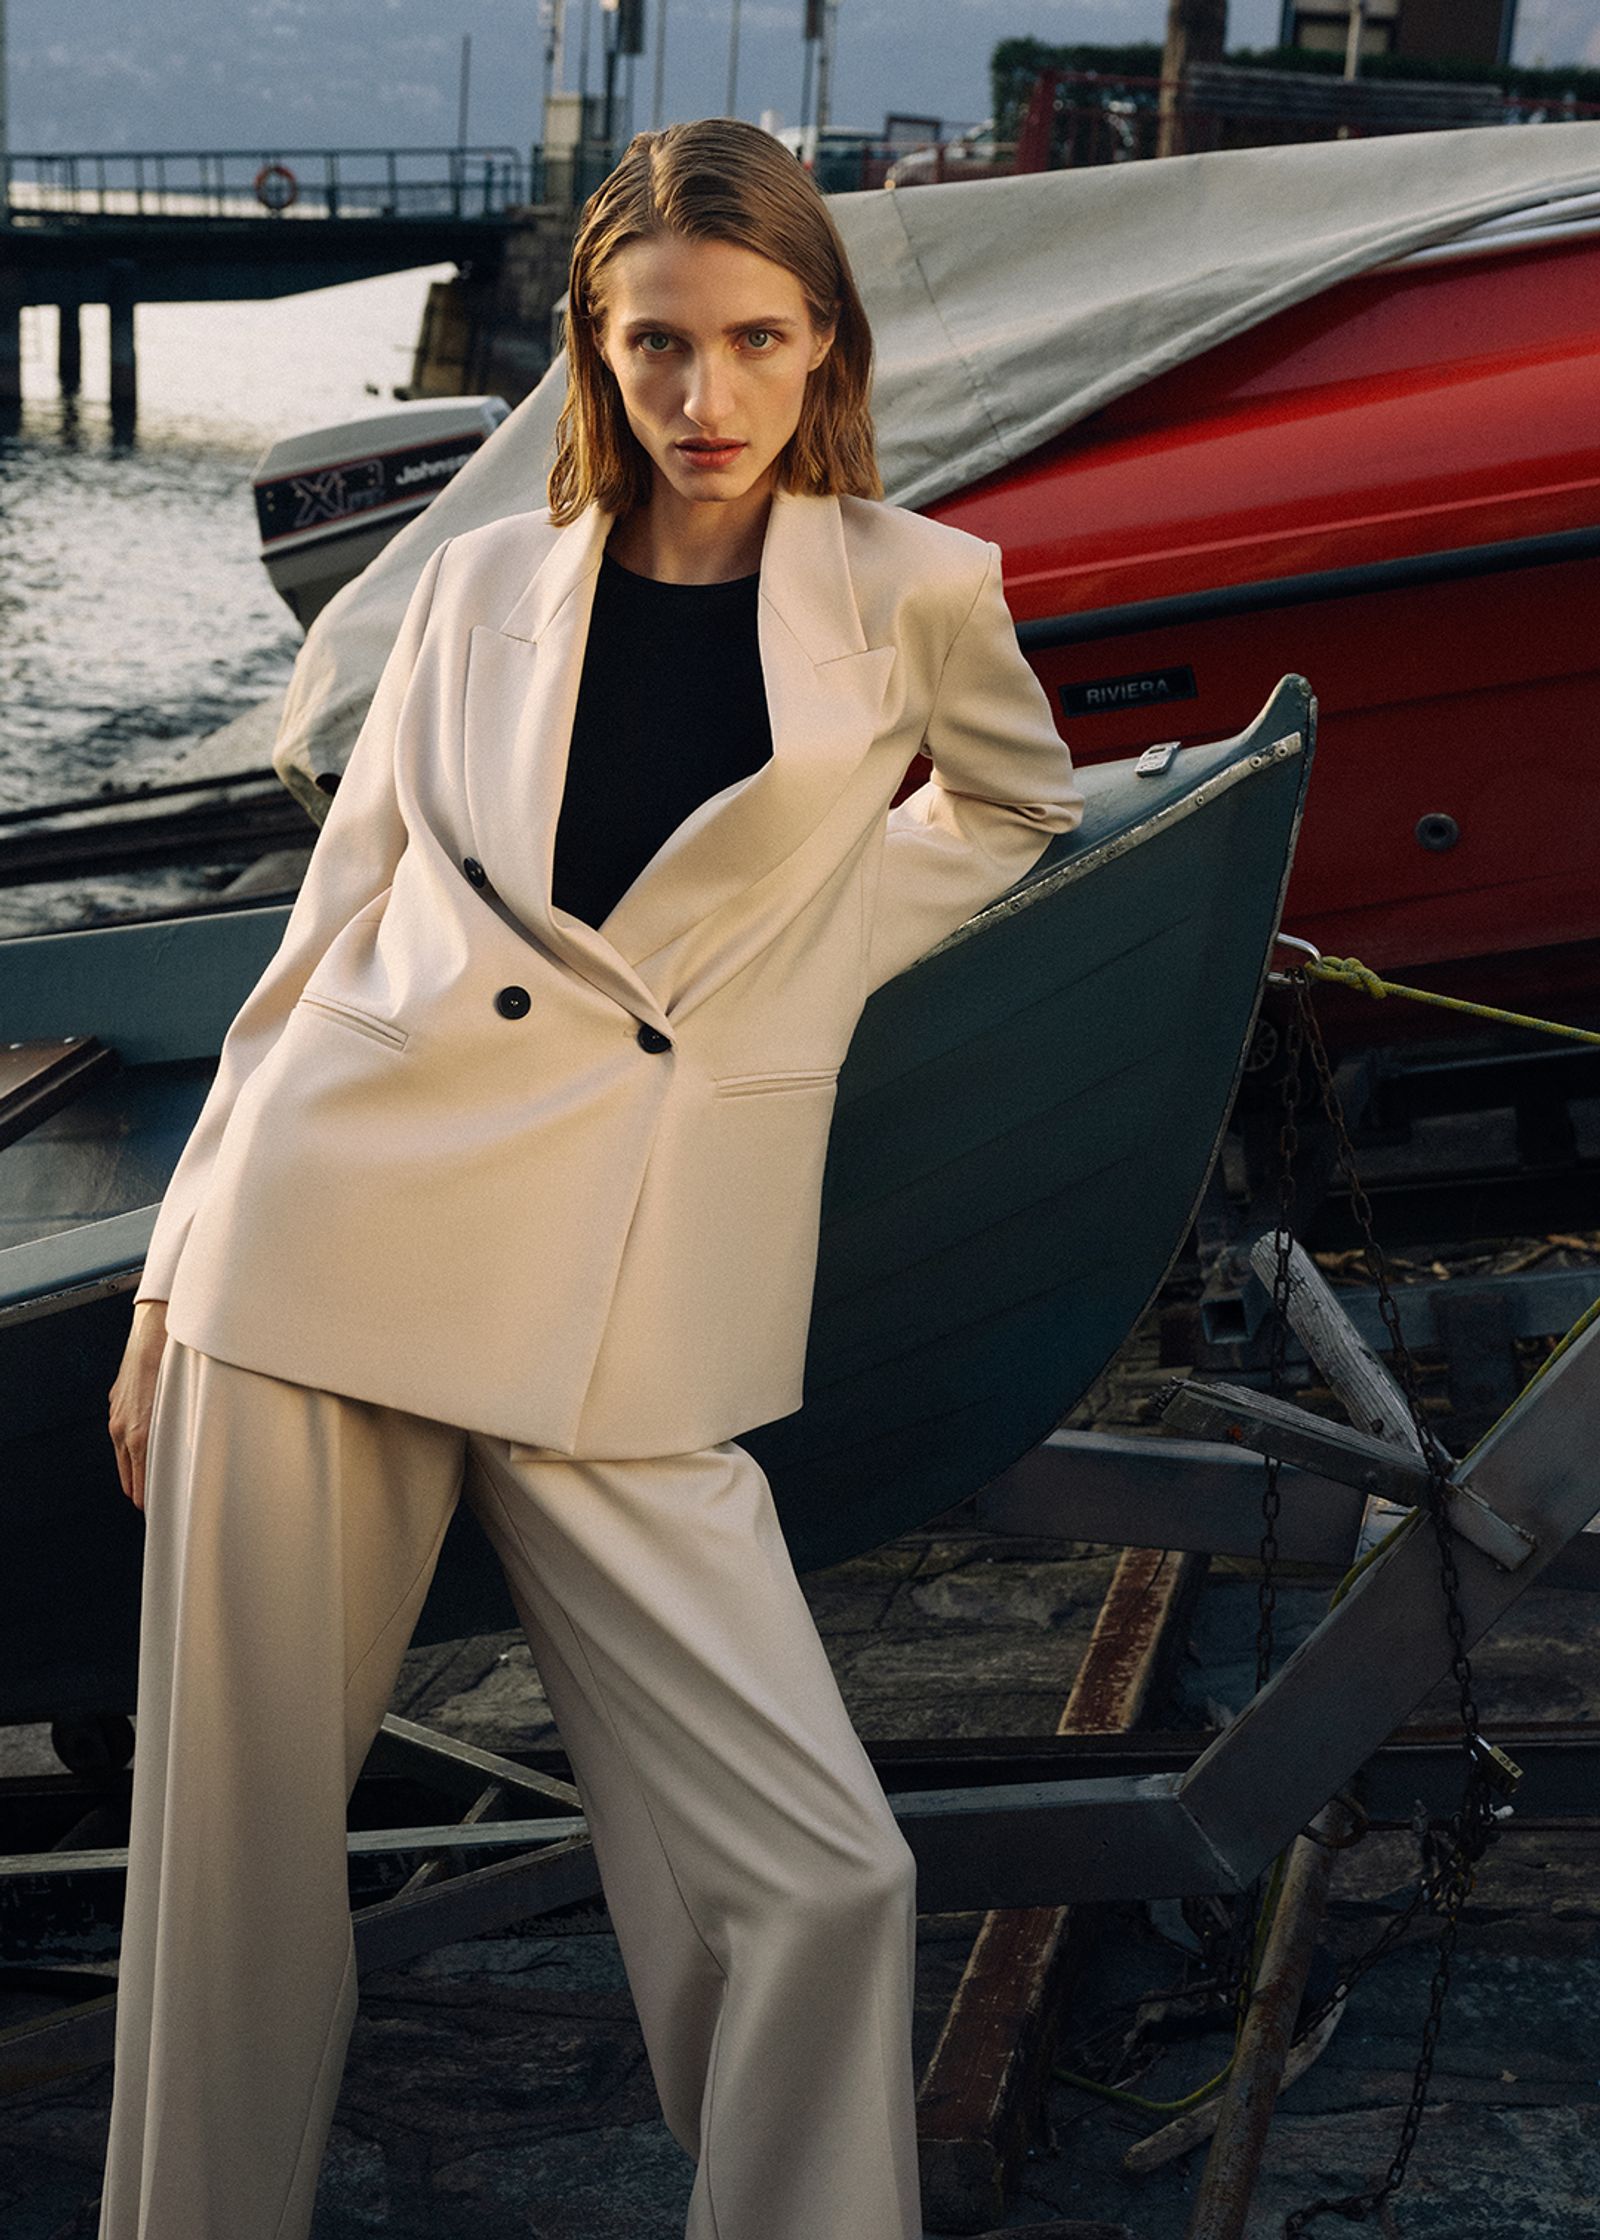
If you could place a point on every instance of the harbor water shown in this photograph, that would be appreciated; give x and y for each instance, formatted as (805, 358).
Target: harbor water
(135, 612)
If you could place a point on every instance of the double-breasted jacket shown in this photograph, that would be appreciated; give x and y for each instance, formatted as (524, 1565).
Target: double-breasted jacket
(467, 1155)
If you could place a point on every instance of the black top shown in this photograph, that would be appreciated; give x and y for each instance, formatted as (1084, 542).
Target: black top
(670, 710)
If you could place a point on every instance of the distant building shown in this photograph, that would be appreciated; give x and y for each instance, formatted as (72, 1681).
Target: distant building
(1420, 30)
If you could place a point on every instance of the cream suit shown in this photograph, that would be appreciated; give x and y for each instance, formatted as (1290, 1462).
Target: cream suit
(592, 1223)
(487, 1204)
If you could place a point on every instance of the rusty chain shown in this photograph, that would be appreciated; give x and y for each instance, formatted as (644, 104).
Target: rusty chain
(1448, 1869)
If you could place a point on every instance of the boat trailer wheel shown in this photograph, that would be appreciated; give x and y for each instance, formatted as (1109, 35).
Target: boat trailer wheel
(1266, 1047)
(93, 1741)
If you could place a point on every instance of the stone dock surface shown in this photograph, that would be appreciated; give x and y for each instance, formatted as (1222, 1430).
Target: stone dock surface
(497, 2089)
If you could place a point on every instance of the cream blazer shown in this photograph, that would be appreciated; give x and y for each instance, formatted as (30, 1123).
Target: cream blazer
(468, 1156)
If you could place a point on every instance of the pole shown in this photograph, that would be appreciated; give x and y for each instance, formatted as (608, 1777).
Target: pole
(69, 348)
(121, 283)
(10, 354)
(552, 14)
(1352, 44)
(466, 84)
(1228, 2181)
(661, 65)
(10, 298)
(1197, 31)
(733, 62)
(830, 11)
(5, 165)
(609, 38)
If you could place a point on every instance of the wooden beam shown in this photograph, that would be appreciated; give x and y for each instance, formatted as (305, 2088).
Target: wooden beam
(38, 1078)
(1228, 2182)
(1355, 1376)
(980, 2096)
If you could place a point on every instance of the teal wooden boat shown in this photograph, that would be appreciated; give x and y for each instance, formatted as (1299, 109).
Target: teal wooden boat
(1025, 1122)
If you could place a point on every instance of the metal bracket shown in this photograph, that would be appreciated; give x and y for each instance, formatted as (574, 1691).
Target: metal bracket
(1333, 1450)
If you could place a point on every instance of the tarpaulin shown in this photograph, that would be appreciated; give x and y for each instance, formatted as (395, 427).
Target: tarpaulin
(1005, 310)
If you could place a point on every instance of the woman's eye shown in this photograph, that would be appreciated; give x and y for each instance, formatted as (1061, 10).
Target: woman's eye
(765, 337)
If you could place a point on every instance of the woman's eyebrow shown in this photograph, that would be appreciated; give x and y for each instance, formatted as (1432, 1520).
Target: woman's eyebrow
(665, 326)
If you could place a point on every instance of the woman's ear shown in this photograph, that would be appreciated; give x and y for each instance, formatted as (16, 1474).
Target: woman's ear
(822, 342)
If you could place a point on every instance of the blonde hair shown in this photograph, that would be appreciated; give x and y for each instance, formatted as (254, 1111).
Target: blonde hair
(713, 179)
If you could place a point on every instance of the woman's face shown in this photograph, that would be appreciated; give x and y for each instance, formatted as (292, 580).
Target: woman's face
(711, 345)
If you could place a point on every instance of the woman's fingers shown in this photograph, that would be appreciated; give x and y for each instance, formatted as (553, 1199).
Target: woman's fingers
(138, 1438)
(127, 1444)
(130, 1436)
(133, 1396)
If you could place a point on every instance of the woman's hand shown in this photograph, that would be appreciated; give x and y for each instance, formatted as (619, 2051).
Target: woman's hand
(133, 1394)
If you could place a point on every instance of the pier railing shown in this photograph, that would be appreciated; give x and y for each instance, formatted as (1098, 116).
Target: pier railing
(272, 185)
(1078, 118)
(1074, 118)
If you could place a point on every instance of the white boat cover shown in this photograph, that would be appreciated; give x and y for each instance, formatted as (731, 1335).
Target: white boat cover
(1003, 310)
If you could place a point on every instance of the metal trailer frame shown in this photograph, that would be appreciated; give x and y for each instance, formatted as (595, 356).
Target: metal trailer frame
(1519, 1507)
(1525, 1496)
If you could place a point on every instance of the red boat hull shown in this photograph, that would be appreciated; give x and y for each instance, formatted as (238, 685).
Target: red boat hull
(1394, 490)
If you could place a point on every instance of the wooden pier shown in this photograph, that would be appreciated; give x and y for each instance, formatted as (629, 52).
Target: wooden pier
(230, 226)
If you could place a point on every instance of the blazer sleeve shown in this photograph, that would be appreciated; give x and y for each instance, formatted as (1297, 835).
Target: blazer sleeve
(1002, 783)
(354, 857)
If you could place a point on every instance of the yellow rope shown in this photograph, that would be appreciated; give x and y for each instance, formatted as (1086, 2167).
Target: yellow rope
(1585, 1320)
(1350, 972)
(1137, 2100)
(1212, 2085)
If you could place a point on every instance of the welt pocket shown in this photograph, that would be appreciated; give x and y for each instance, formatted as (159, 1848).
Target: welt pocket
(364, 1022)
(760, 1084)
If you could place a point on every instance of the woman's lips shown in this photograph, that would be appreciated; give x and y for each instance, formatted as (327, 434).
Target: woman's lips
(709, 455)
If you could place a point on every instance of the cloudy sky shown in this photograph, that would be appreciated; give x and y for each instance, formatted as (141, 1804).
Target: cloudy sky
(110, 74)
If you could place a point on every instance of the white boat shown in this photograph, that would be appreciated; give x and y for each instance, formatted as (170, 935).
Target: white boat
(327, 500)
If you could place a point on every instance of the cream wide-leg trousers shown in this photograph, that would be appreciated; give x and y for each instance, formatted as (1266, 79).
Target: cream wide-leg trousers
(760, 1891)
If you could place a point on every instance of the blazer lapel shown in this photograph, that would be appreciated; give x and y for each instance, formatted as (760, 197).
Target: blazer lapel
(521, 695)
(825, 689)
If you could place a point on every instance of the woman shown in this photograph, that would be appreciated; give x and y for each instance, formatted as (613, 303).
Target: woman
(507, 1188)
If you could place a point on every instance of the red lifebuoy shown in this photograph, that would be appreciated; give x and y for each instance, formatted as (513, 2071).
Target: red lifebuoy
(276, 186)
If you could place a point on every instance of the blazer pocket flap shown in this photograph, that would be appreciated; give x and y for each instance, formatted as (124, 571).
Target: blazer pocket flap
(760, 1084)
(350, 1015)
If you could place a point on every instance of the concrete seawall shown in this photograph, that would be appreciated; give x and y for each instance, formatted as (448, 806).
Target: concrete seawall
(490, 333)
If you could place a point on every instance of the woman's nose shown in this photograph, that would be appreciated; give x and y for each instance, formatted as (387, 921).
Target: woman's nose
(710, 396)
